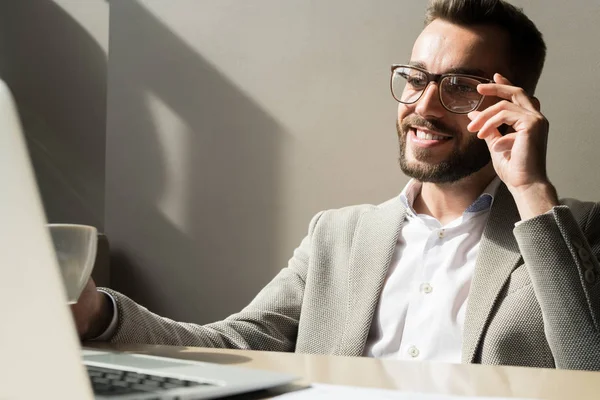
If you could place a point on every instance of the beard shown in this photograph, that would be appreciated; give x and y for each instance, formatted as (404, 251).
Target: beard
(462, 162)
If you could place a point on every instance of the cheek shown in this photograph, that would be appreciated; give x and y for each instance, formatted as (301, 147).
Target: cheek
(404, 110)
(461, 122)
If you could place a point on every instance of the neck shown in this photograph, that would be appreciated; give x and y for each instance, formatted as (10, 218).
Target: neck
(448, 201)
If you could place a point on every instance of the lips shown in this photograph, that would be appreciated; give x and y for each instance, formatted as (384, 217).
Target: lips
(427, 139)
(425, 134)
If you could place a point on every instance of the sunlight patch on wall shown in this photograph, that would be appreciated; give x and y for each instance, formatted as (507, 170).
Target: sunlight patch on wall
(173, 136)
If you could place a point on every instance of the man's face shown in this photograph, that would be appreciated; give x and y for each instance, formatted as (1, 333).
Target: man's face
(442, 48)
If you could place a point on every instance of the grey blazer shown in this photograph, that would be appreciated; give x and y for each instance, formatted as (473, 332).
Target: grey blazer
(534, 299)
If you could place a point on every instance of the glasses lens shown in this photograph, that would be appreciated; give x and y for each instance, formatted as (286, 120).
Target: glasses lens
(459, 94)
(408, 84)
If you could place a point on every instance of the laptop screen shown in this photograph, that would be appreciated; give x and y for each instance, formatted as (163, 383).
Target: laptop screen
(38, 343)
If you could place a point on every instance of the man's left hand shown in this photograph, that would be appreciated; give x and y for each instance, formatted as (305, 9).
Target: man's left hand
(519, 157)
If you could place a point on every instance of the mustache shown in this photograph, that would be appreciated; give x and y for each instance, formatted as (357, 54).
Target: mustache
(432, 125)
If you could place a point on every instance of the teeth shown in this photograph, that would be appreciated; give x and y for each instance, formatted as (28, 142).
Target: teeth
(429, 136)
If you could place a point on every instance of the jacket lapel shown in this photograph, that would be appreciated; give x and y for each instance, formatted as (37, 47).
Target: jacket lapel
(373, 246)
(498, 256)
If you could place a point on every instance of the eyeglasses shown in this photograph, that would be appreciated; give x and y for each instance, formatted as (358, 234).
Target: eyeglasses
(458, 92)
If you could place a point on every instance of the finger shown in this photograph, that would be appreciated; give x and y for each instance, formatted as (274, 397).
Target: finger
(473, 114)
(503, 144)
(481, 117)
(499, 78)
(490, 138)
(492, 124)
(500, 145)
(512, 93)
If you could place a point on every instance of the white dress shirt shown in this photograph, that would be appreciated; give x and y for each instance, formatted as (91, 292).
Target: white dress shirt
(421, 311)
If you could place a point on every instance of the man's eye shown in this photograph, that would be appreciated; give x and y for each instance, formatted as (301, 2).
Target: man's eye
(416, 81)
(461, 89)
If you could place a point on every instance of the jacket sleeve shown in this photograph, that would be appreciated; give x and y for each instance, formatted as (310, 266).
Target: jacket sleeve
(561, 252)
(269, 322)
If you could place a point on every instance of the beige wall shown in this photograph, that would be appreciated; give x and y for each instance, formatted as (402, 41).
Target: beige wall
(570, 92)
(231, 123)
(53, 55)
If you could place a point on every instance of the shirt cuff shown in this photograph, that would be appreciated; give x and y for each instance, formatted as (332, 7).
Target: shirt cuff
(112, 327)
(550, 211)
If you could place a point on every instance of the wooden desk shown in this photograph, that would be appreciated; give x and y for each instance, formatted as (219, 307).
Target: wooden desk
(417, 376)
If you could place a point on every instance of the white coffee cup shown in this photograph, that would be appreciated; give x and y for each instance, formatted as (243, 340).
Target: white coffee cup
(75, 247)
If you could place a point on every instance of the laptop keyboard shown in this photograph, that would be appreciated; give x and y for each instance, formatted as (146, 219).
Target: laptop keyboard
(113, 382)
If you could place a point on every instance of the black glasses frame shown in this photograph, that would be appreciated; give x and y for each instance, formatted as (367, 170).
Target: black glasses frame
(437, 78)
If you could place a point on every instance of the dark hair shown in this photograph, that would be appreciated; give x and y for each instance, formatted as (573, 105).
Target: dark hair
(527, 50)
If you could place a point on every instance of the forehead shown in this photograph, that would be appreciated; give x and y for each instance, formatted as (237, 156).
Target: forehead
(444, 47)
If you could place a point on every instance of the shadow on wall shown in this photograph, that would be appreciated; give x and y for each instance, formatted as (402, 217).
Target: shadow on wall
(57, 72)
(190, 204)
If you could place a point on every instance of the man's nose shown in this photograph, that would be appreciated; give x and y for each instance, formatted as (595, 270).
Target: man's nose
(429, 104)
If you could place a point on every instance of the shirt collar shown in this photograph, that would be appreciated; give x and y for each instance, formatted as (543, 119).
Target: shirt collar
(482, 203)
(408, 195)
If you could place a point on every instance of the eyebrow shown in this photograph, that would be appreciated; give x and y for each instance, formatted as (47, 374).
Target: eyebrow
(463, 71)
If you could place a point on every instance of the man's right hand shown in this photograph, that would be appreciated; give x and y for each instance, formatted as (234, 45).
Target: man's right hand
(92, 312)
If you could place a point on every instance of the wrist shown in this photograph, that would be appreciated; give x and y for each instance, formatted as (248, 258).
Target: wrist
(535, 199)
(102, 316)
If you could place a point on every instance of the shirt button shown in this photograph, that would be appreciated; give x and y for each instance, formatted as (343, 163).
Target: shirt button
(413, 352)
(426, 288)
(441, 234)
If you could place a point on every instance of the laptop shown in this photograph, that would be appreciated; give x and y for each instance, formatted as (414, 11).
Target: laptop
(39, 348)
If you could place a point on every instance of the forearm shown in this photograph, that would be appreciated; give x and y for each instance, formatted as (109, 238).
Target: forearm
(570, 304)
(270, 322)
(138, 325)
